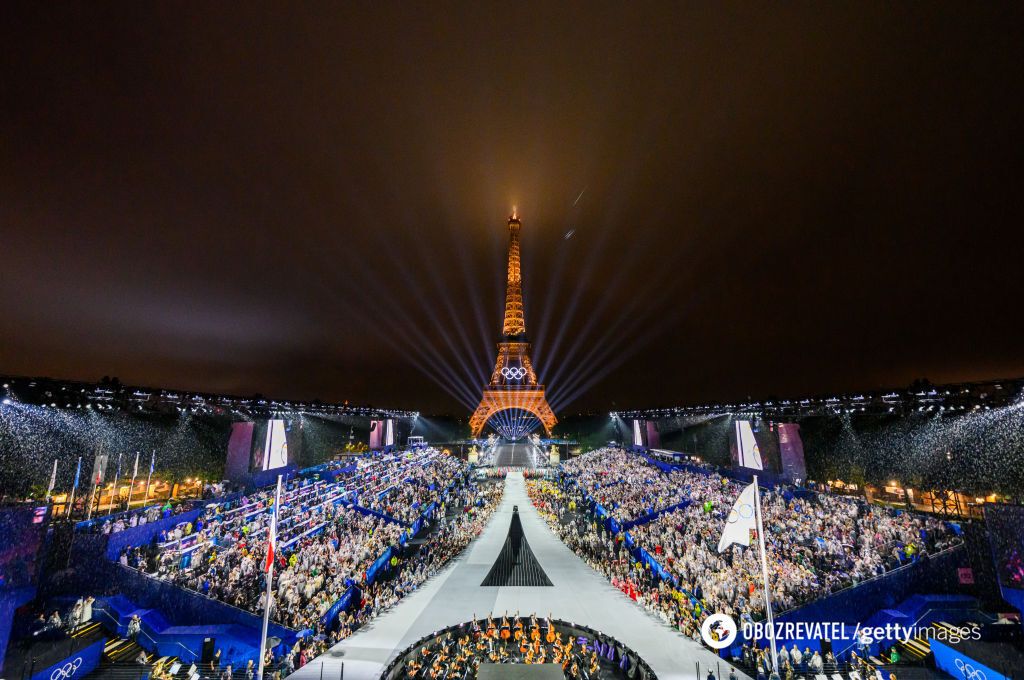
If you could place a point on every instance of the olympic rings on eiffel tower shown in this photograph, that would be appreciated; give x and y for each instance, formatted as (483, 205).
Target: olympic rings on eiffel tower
(513, 372)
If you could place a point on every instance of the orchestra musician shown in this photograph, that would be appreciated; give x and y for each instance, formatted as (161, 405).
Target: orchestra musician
(534, 641)
(518, 634)
(534, 628)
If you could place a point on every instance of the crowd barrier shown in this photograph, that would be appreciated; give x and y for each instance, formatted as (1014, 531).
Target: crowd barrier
(264, 478)
(180, 605)
(143, 535)
(326, 473)
(651, 516)
(10, 600)
(958, 664)
(934, 574)
(374, 513)
(76, 665)
(340, 605)
(86, 524)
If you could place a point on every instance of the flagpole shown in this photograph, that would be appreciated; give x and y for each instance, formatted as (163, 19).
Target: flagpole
(71, 501)
(135, 473)
(53, 481)
(96, 480)
(152, 462)
(270, 578)
(117, 476)
(764, 575)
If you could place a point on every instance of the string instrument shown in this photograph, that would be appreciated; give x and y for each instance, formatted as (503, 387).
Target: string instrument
(492, 630)
(550, 637)
(535, 634)
(518, 634)
(523, 646)
(506, 633)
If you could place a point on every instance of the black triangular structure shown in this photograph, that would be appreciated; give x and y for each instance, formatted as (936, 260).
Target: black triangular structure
(516, 565)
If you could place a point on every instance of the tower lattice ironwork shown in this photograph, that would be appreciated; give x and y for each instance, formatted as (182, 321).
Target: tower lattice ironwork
(513, 383)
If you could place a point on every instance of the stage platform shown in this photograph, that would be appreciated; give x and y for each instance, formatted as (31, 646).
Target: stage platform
(578, 594)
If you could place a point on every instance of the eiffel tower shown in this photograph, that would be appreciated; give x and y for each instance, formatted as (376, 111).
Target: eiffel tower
(513, 383)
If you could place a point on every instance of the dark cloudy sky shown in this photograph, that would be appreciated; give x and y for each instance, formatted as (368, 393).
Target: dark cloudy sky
(308, 200)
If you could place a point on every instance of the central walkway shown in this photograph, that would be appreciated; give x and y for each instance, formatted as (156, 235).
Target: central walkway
(579, 595)
(514, 455)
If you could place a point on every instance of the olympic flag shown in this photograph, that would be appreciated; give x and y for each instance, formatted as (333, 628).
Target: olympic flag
(740, 521)
(744, 516)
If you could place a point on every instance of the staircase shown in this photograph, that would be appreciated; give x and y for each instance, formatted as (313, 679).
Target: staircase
(920, 649)
(122, 650)
(87, 630)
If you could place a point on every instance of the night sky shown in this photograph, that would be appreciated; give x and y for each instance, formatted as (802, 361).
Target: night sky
(310, 201)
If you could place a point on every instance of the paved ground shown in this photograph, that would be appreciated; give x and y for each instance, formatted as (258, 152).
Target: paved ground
(579, 595)
(515, 455)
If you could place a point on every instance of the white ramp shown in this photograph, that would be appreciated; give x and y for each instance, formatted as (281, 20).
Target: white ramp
(579, 594)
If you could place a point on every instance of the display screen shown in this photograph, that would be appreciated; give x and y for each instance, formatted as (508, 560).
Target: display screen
(270, 448)
(382, 433)
(746, 446)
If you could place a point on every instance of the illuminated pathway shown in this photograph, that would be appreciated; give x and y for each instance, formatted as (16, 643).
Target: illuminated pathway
(579, 594)
(514, 455)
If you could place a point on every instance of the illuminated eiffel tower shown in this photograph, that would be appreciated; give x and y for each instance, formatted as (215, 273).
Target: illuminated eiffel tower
(513, 383)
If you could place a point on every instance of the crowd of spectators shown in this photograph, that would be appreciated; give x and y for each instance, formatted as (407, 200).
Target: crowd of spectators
(460, 519)
(417, 488)
(133, 518)
(325, 541)
(623, 483)
(816, 543)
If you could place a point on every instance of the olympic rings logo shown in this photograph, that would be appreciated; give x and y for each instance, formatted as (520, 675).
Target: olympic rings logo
(514, 372)
(67, 670)
(968, 671)
(745, 511)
